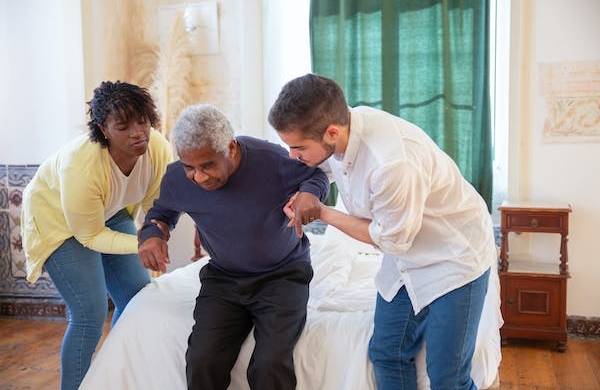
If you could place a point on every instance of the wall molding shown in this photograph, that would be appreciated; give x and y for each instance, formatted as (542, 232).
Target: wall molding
(584, 327)
(33, 310)
(577, 326)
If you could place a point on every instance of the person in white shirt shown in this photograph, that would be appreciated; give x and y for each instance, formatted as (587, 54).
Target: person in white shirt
(407, 197)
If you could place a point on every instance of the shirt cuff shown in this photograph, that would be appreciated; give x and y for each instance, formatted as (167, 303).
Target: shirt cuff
(148, 231)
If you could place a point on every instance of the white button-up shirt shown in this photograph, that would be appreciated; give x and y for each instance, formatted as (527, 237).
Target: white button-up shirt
(432, 226)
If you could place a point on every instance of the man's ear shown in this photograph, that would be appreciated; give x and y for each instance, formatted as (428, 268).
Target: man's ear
(332, 132)
(232, 147)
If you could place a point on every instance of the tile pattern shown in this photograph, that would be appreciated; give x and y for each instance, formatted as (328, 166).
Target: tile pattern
(14, 288)
(586, 327)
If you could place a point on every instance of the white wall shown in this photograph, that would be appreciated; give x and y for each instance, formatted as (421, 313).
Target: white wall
(569, 171)
(41, 74)
(286, 50)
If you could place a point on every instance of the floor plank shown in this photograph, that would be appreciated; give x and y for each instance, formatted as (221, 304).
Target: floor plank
(30, 353)
(574, 370)
(593, 353)
(535, 368)
(533, 364)
(509, 373)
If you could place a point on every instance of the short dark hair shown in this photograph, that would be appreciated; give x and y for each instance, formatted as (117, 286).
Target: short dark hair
(127, 102)
(309, 103)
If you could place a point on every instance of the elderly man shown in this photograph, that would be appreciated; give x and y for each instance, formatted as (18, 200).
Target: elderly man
(235, 189)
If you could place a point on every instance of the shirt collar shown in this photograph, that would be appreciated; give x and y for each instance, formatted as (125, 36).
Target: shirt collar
(356, 130)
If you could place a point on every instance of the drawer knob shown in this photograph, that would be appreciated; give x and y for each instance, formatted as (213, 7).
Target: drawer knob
(534, 222)
(510, 301)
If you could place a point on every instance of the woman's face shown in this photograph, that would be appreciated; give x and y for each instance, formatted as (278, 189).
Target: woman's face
(126, 140)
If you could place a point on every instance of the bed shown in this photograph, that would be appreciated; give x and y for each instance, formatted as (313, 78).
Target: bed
(146, 348)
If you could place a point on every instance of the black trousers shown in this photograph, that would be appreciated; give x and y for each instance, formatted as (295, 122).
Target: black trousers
(227, 308)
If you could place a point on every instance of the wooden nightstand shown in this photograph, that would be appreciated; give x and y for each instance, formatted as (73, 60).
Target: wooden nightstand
(534, 294)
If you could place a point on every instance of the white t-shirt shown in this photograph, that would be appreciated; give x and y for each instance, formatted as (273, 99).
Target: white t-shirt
(127, 190)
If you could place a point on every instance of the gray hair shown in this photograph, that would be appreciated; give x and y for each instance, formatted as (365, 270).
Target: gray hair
(201, 125)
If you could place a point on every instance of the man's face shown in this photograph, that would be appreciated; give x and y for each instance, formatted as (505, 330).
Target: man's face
(208, 168)
(308, 151)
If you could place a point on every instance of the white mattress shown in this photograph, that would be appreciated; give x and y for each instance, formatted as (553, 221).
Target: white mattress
(146, 348)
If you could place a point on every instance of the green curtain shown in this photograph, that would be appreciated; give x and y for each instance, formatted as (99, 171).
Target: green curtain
(426, 61)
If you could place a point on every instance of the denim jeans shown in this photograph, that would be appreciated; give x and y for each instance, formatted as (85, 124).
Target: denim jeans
(83, 278)
(449, 325)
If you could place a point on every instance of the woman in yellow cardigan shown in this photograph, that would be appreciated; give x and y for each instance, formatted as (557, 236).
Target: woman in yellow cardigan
(77, 215)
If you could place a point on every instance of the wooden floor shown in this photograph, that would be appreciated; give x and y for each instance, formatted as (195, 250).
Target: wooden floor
(29, 359)
(30, 354)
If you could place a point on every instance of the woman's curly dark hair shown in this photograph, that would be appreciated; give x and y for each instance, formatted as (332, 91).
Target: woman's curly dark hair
(127, 102)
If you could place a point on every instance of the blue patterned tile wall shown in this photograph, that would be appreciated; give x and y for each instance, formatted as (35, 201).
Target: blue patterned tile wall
(18, 297)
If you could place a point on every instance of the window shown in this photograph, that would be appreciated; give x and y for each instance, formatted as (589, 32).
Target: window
(287, 55)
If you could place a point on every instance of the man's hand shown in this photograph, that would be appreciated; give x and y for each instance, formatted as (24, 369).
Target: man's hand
(154, 254)
(198, 253)
(302, 209)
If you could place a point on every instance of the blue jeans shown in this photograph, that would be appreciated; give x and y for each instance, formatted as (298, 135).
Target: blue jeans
(449, 324)
(83, 278)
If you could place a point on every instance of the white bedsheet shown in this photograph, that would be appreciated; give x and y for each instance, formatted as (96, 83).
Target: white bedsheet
(146, 348)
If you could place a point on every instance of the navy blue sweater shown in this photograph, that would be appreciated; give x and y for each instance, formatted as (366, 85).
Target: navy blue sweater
(242, 225)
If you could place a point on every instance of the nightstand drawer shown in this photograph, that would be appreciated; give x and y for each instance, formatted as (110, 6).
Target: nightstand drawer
(535, 222)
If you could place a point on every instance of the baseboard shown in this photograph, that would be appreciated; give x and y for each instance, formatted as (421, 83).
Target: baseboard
(48, 310)
(585, 327)
(577, 326)
(33, 310)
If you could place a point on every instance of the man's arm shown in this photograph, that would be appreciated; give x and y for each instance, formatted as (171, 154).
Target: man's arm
(355, 227)
(154, 234)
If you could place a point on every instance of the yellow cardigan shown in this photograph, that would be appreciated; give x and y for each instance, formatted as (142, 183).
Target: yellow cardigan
(67, 196)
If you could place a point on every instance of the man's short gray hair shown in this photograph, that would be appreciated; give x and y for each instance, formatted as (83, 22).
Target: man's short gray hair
(201, 125)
